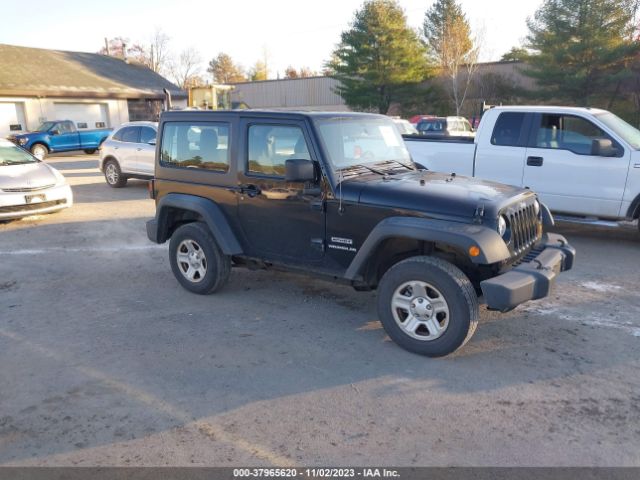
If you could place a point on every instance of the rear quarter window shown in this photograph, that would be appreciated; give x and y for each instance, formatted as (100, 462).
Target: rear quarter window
(508, 129)
(198, 145)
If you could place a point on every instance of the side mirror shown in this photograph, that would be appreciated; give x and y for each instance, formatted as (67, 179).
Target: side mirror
(299, 170)
(152, 142)
(603, 147)
(55, 131)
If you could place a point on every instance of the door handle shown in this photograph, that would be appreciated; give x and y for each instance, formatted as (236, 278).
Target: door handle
(138, 149)
(535, 161)
(250, 190)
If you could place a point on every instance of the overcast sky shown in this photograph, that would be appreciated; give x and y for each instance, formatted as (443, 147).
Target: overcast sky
(293, 32)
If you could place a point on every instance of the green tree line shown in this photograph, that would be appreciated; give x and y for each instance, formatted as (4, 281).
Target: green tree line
(577, 52)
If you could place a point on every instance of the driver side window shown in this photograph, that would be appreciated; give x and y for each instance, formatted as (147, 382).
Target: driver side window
(270, 146)
(568, 132)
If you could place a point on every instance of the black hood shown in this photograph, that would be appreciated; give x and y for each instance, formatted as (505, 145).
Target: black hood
(433, 193)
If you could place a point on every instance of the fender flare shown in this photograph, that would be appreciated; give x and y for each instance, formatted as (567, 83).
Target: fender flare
(210, 212)
(459, 235)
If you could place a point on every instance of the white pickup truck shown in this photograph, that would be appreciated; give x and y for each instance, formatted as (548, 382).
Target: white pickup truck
(583, 162)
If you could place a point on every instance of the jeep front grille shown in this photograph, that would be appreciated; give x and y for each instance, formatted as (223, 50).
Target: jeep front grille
(523, 223)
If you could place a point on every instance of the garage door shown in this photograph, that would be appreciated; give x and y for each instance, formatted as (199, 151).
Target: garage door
(85, 115)
(12, 118)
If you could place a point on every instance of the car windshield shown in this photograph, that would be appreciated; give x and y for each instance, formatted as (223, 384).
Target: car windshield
(12, 155)
(435, 126)
(628, 133)
(405, 128)
(45, 126)
(357, 141)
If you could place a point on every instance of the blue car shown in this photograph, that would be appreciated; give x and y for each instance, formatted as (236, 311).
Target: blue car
(60, 136)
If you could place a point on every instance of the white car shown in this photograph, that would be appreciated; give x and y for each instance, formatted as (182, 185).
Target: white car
(445, 127)
(404, 126)
(29, 186)
(129, 152)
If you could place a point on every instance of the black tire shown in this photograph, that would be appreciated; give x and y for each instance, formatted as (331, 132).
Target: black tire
(217, 266)
(39, 150)
(461, 318)
(113, 175)
(90, 151)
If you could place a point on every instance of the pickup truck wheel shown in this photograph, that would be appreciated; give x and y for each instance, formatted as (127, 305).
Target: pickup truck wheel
(196, 260)
(113, 175)
(39, 151)
(427, 306)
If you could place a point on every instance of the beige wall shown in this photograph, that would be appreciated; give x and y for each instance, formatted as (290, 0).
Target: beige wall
(37, 110)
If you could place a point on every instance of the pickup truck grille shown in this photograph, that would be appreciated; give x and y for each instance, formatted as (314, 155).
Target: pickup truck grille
(524, 225)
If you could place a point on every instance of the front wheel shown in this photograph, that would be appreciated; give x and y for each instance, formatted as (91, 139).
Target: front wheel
(39, 151)
(196, 260)
(427, 306)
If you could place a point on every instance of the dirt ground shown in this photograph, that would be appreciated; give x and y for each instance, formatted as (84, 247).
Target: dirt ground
(105, 360)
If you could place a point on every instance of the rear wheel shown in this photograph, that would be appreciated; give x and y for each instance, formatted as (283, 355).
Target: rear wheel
(427, 306)
(113, 175)
(90, 151)
(39, 151)
(196, 260)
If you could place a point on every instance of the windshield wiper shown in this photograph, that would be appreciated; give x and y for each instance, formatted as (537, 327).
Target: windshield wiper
(361, 165)
(409, 167)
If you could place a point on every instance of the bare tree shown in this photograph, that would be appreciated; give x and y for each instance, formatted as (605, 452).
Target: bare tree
(304, 72)
(453, 47)
(185, 70)
(158, 52)
(154, 55)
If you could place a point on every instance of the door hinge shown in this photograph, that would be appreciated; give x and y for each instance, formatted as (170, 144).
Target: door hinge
(317, 244)
(318, 206)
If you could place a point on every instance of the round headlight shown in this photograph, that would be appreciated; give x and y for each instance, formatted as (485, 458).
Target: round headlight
(536, 207)
(22, 141)
(502, 225)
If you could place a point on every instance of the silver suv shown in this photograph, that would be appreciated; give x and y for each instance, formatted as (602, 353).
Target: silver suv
(129, 152)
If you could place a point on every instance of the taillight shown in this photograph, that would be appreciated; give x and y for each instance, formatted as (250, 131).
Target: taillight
(151, 186)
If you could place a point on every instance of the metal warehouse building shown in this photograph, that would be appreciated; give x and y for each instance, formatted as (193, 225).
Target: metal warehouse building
(312, 93)
(91, 89)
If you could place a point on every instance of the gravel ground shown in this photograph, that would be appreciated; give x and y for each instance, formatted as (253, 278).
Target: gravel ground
(107, 361)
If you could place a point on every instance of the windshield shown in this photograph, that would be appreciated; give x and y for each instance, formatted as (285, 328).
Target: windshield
(12, 155)
(405, 128)
(437, 125)
(356, 141)
(628, 133)
(45, 126)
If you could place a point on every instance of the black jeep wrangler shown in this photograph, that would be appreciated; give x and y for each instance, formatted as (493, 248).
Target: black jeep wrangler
(337, 195)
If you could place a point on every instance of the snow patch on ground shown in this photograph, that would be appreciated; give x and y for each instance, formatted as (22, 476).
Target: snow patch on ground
(601, 287)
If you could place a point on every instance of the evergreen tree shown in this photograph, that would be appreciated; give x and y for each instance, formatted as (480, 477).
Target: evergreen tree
(516, 54)
(380, 59)
(581, 47)
(224, 70)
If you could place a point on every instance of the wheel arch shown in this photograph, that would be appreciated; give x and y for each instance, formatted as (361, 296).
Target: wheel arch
(634, 208)
(40, 142)
(426, 235)
(176, 209)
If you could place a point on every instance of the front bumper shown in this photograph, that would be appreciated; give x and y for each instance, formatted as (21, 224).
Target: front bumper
(532, 279)
(17, 205)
